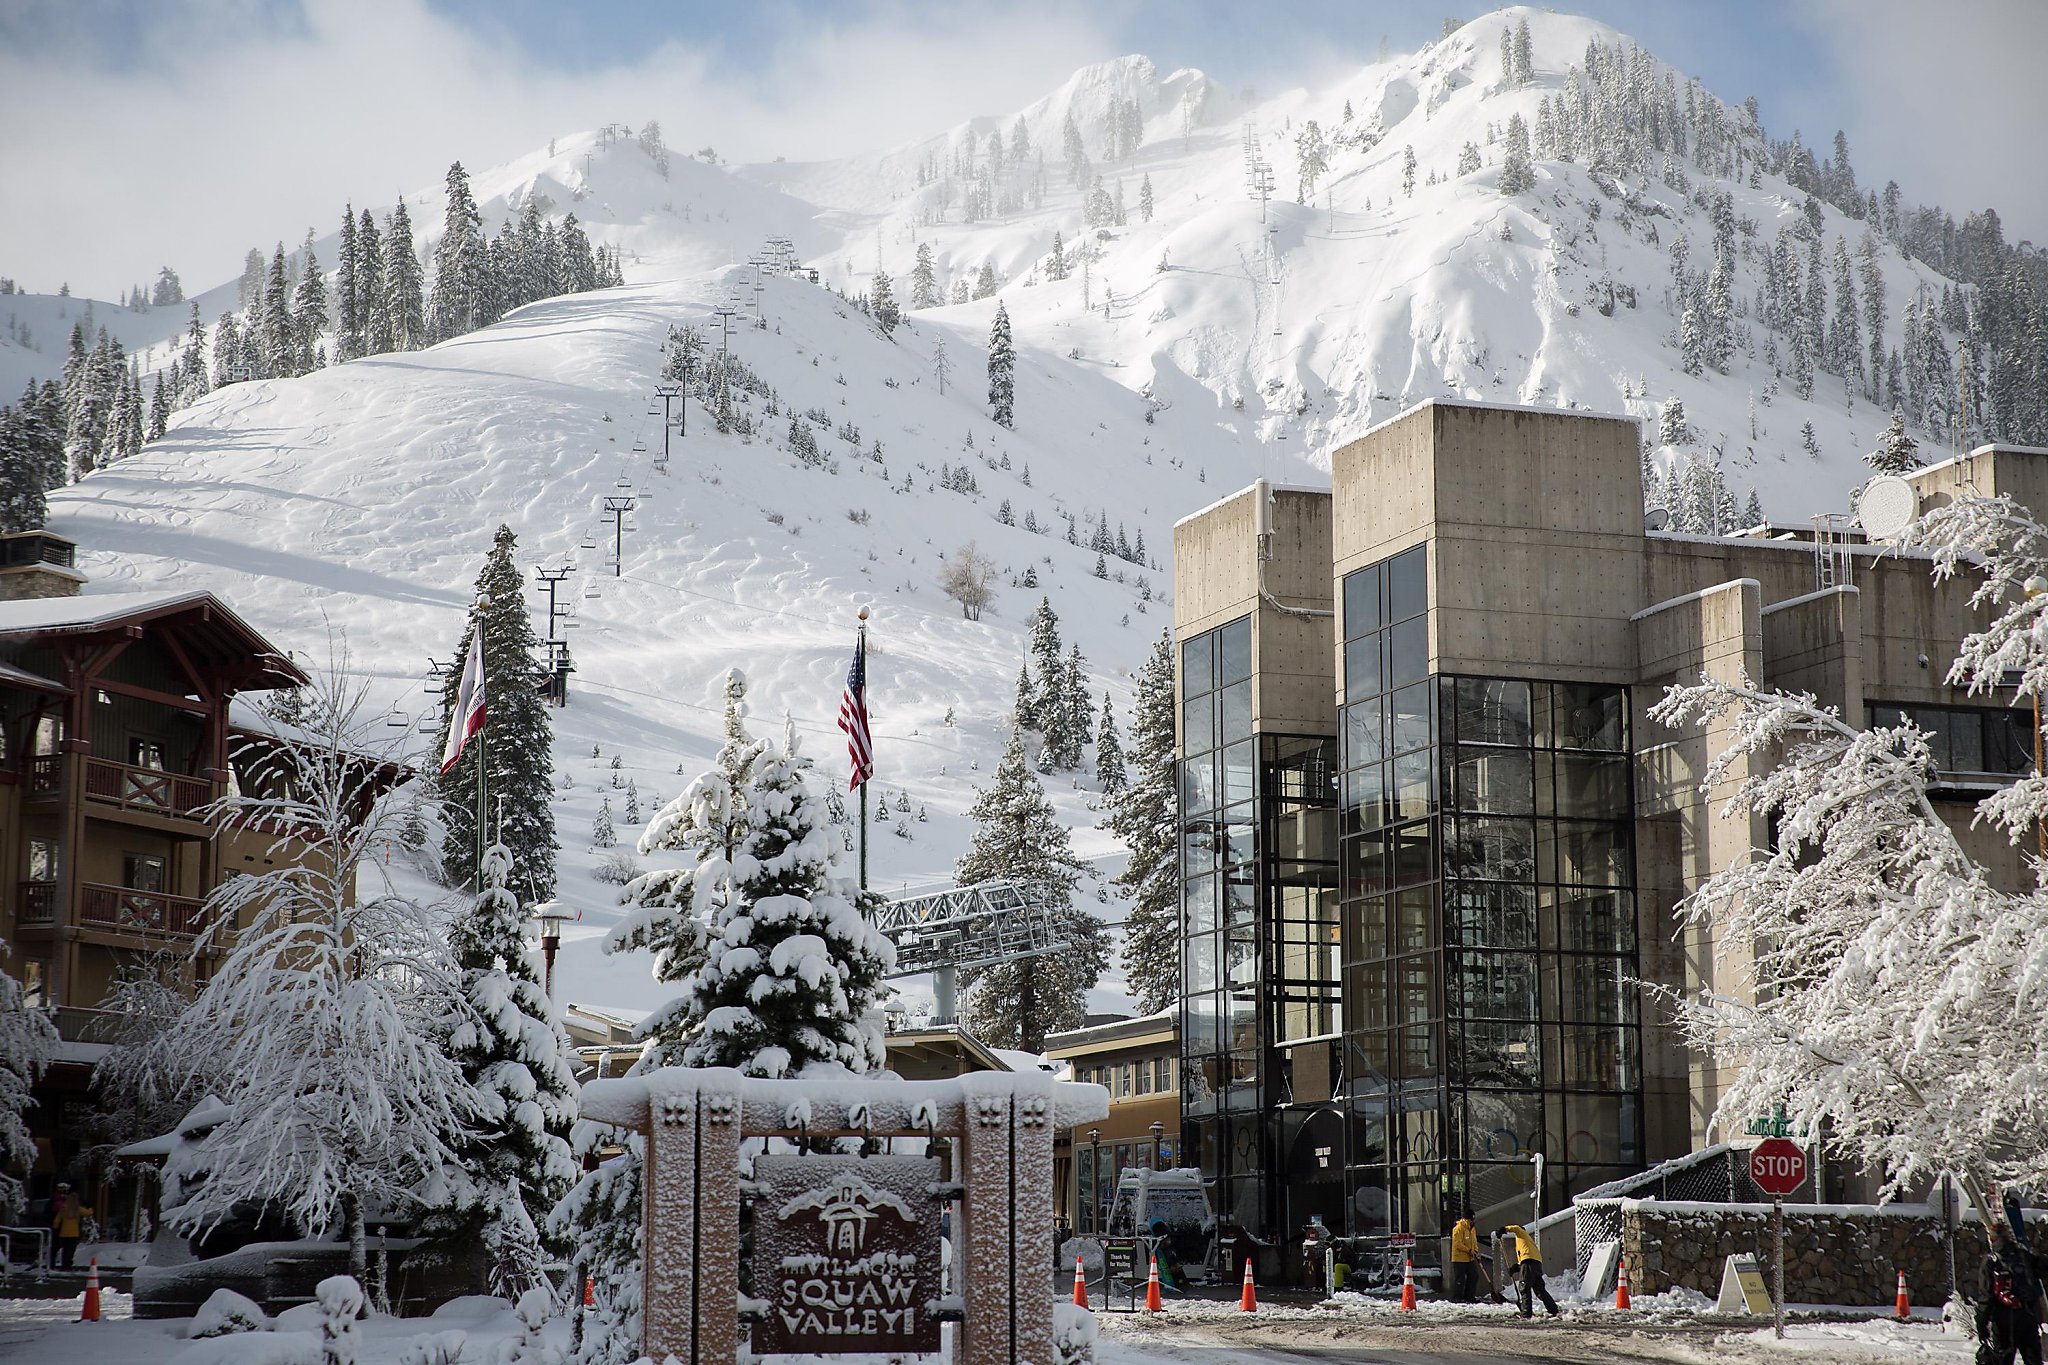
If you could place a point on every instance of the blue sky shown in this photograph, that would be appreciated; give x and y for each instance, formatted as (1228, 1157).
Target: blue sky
(184, 130)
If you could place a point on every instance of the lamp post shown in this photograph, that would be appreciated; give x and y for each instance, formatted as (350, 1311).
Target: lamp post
(550, 916)
(1094, 1180)
(2035, 587)
(1158, 1136)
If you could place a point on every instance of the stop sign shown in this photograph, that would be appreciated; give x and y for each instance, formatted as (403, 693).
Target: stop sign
(1778, 1167)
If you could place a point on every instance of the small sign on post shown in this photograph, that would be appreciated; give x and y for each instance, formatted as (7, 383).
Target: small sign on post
(1778, 1167)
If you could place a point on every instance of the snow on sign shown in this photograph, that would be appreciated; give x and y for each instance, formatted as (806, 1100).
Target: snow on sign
(1778, 1167)
(846, 1254)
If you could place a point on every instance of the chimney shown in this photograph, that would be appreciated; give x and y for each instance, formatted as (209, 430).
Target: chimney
(38, 564)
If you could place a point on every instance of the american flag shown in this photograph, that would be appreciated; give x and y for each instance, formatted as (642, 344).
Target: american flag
(853, 717)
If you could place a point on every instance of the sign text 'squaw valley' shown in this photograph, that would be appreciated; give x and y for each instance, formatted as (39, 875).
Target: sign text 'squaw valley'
(845, 1255)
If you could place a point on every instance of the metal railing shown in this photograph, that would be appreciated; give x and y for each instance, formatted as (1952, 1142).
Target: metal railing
(151, 912)
(145, 789)
(12, 1241)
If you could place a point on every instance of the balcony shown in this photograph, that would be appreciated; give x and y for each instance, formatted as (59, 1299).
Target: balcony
(126, 910)
(36, 905)
(148, 790)
(45, 776)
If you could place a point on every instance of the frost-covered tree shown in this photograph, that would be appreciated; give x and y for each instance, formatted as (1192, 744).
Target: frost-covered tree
(348, 321)
(405, 294)
(514, 1164)
(319, 1030)
(969, 579)
(1893, 980)
(1517, 170)
(1408, 170)
(942, 364)
(28, 1040)
(309, 316)
(1109, 752)
(1042, 635)
(1895, 449)
(1056, 263)
(373, 302)
(463, 295)
(792, 970)
(882, 301)
(1145, 203)
(1808, 442)
(516, 743)
(1143, 817)
(602, 832)
(1672, 428)
(924, 283)
(1311, 159)
(1468, 158)
(1017, 835)
(1692, 343)
(1002, 367)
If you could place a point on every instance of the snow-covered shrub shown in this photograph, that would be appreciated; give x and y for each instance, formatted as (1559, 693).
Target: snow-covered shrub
(536, 1307)
(225, 1313)
(1073, 1335)
(442, 1348)
(341, 1303)
(616, 867)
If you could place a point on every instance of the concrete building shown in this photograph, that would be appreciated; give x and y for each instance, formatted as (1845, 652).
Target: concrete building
(1430, 835)
(1136, 1060)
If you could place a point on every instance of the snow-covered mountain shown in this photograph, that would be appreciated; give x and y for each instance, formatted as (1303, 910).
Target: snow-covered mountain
(1219, 339)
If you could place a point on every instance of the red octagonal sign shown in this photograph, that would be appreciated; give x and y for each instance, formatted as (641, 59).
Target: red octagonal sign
(1778, 1167)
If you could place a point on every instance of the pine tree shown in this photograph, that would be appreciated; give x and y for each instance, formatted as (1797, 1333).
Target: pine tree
(1002, 364)
(1692, 343)
(602, 834)
(1024, 710)
(1074, 709)
(1311, 159)
(309, 316)
(924, 283)
(23, 505)
(373, 303)
(794, 971)
(1109, 752)
(348, 323)
(279, 338)
(28, 1042)
(882, 300)
(514, 1164)
(1056, 264)
(1047, 659)
(406, 313)
(518, 737)
(1145, 198)
(1753, 511)
(1018, 836)
(1895, 449)
(1517, 173)
(1408, 170)
(159, 410)
(985, 285)
(461, 298)
(193, 381)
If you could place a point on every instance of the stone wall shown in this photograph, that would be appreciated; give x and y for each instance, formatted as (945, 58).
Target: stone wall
(1839, 1254)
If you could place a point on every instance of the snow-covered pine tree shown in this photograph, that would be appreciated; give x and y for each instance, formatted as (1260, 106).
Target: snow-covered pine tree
(1024, 710)
(1672, 428)
(1109, 752)
(1408, 170)
(1143, 816)
(314, 1031)
(514, 1164)
(309, 315)
(23, 501)
(1808, 442)
(602, 832)
(279, 342)
(405, 294)
(1145, 198)
(1517, 169)
(1056, 263)
(517, 741)
(1895, 449)
(1753, 511)
(373, 305)
(462, 298)
(882, 301)
(1002, 366)
(985, 284)
(28, 1040)
(1692, 343)
(1074, 710)
(1311, 159)
(924, 283)
(792, 971)
(348, 324)
(1017, 835)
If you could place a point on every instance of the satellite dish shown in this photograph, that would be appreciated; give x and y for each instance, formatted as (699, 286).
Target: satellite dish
(1656, 519)
(1887, 507)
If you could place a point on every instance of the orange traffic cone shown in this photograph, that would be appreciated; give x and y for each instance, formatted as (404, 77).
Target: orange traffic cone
(1248, 1302)
(1407, 1284)
(91, 1311)
(1621, 1285)
(1903, 1306)
(590, 1291)
(1080, 1285)
(1152, 1304)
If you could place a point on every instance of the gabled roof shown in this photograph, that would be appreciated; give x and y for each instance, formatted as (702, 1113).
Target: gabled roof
(203, 620)
(10, 676)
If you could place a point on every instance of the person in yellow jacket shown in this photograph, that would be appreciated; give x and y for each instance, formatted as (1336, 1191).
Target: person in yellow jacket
(68, 1218)
(1464, 1260)
(1529, 1272)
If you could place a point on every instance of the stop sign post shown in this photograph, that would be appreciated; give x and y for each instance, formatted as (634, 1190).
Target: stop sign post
(1778, 1167)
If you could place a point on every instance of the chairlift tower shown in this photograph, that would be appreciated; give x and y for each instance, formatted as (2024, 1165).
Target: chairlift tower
(987, 924)
(668, 394)
(618, 506)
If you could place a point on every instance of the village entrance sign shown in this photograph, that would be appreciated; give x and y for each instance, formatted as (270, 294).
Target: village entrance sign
(844, 1254)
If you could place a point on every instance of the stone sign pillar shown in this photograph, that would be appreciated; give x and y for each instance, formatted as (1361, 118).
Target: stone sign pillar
(845, 1248)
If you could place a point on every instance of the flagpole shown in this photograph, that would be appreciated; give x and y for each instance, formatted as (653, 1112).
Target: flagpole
(862, 646)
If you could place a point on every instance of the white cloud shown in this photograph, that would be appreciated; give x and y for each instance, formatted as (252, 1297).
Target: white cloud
(248, 125)
(1944, 98)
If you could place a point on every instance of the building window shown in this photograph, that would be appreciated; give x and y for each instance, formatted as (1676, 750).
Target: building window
(42, 860)
(145, 753)
(35, 983)
(142, 872)
(1966, 740)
